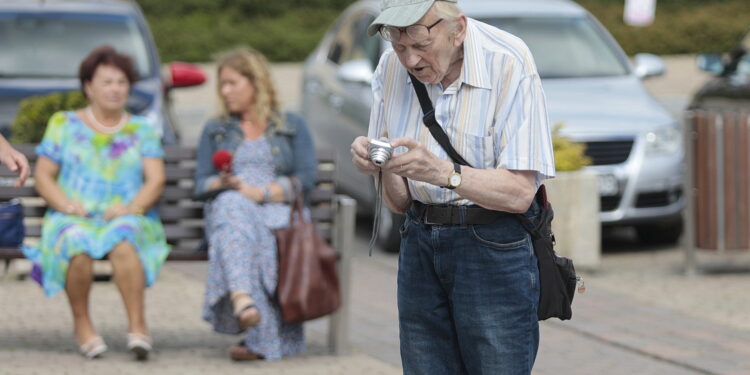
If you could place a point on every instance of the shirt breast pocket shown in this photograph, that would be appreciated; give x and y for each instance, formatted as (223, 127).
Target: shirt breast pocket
(477, 150)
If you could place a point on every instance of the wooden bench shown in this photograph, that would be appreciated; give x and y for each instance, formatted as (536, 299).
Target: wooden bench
(333, 214)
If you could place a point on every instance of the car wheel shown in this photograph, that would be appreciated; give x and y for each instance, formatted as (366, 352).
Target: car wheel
(660, 234)
(389, 238)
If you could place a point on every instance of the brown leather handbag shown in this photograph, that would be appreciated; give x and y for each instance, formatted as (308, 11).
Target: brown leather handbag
(308, 286)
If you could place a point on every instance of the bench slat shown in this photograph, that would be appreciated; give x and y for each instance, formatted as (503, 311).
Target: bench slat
(173, 154)
(321, 195)
(176, 232)
(10, 253)
(9, 192)
(187, 255)
(171, 212)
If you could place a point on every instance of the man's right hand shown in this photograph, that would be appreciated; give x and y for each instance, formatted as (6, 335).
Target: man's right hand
(360, 156)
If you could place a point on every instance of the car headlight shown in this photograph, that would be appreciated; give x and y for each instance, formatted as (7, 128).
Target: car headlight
(664, 141)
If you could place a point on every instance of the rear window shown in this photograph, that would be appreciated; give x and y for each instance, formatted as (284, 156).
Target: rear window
(54, 44)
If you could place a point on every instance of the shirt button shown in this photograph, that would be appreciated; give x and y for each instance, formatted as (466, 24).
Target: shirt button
(276, 150)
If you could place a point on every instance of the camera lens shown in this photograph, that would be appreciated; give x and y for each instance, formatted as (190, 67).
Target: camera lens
(379, 155)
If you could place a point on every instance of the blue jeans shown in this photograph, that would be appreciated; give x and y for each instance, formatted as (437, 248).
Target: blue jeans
(467, 298)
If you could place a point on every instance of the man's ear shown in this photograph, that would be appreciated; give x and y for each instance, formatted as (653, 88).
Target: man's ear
(459, 33)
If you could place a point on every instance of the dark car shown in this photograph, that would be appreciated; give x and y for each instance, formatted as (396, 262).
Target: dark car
(730, 89)
(43, 43)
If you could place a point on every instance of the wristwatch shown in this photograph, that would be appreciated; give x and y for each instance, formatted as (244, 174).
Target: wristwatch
(454, 180)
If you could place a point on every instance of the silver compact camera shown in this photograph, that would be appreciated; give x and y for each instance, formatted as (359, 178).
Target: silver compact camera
(379, 152)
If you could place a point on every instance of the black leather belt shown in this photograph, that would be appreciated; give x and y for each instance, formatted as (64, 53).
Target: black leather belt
(444, 214)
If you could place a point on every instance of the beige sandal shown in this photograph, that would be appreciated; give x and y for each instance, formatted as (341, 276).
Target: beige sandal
(140, 345)
(93, 348)
(244, 310)
(248, 317)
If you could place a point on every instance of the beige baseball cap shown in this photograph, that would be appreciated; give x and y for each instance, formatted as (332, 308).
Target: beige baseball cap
(401, 13)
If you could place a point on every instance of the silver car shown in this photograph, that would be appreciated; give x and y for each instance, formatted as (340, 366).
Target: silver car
(591, 88)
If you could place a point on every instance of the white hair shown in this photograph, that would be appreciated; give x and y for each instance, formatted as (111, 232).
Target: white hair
(448, 11)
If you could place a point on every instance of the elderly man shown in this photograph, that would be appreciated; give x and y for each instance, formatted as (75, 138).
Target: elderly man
(468, 283)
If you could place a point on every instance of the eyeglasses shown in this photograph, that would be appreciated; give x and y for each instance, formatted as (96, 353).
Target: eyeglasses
(416, 32)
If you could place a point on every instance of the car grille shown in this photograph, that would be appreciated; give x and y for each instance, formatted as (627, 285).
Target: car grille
(657, 199)
(610, 203)
(608, 152)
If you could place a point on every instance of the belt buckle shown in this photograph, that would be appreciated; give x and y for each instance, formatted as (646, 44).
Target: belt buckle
(425, 216)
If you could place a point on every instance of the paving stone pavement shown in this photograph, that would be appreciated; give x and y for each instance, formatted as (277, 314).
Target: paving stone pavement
(612, 332)
(36, 335)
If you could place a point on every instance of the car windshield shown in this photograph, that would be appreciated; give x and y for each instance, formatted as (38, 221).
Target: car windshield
(53, 45)
(565, 47)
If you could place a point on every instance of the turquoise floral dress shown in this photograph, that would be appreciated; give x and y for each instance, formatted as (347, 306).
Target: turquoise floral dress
(98, 170)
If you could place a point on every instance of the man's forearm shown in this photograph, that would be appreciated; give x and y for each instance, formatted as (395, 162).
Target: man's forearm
(498, 189)
(395, 192)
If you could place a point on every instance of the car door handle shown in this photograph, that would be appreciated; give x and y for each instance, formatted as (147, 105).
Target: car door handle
(336, 102)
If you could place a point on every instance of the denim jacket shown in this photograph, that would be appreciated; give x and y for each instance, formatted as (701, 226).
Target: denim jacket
(291, 146)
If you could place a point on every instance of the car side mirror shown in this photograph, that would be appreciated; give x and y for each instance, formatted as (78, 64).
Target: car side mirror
(356, 71)
(710, 62)
(181, 74)
(648, 65)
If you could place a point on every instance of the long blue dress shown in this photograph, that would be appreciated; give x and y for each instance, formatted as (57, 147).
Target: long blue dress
(243, 257)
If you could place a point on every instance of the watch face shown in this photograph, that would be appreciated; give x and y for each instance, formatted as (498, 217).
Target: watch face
(455, 180)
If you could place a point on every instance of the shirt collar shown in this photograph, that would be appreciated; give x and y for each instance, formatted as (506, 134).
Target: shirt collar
(474, 71)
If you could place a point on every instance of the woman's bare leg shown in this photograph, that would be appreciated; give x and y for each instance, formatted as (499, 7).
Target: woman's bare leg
(130, 280)
(77, 287)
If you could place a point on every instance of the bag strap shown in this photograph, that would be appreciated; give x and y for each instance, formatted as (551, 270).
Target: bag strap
(432, 125)
(439, 134)
(296, 204)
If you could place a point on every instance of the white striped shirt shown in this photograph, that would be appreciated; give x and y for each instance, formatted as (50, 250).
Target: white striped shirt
(494, 113)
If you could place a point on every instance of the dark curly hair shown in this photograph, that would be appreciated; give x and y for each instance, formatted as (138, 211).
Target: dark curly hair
(105, 55)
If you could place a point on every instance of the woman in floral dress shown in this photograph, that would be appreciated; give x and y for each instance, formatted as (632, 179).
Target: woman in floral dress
(269, 149)
(101, 172)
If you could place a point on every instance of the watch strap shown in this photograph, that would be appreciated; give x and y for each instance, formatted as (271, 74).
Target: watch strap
(456, 171)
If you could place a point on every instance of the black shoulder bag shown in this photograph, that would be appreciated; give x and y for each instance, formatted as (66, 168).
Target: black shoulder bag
(557, 275)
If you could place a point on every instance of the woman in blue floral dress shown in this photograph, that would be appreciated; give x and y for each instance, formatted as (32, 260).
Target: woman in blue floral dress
(269, 148)
(101, 172)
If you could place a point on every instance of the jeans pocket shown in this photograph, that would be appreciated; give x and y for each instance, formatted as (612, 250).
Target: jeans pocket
(403, 230)
(492, 236)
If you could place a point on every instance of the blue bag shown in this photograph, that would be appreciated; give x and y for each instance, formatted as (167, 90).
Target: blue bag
(12, 230)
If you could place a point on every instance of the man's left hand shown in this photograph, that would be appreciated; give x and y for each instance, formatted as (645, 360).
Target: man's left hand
(418, 163)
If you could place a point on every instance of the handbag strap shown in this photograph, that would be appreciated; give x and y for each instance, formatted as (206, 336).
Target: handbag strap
(296, 204)
(439, 134)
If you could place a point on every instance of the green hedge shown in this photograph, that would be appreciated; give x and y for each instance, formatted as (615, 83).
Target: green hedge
(680, 26)
(287, 30)
(35, 111)
(197, 37)
(195, 30)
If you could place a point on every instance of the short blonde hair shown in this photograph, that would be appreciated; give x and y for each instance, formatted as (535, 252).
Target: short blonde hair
(254, 66)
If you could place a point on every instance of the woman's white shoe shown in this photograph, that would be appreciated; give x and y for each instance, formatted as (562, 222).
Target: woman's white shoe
(140, 345)
(93, 348)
